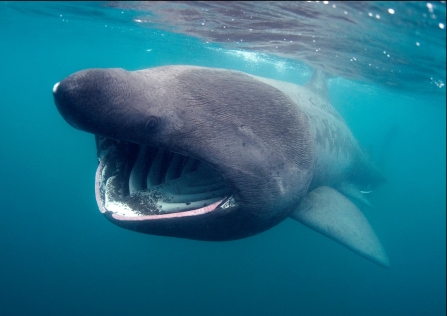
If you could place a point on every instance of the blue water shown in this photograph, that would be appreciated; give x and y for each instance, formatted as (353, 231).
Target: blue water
(60, 256)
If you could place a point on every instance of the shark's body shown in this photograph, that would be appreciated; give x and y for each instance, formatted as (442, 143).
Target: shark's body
(215, 154)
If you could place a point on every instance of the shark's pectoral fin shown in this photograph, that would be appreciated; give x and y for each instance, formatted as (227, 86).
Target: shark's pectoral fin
(328, 212)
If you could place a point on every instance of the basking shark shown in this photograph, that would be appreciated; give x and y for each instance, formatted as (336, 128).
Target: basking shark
(216, 154)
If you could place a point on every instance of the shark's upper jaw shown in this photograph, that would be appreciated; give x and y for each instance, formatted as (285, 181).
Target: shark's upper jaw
(135, 182)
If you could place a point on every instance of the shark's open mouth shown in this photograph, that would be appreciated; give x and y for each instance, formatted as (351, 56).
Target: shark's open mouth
(135, 181)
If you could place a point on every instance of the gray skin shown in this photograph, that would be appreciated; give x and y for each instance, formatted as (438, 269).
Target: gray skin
(272, 142)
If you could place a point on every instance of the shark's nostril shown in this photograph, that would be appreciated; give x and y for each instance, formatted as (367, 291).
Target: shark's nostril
(55, 87)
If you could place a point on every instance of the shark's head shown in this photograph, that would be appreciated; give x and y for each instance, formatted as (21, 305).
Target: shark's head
(191, 152)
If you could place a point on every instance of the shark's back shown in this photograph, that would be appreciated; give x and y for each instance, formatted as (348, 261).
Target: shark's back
(336, 150)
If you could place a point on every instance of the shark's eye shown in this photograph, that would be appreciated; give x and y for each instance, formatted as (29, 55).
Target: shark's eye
(151, 124)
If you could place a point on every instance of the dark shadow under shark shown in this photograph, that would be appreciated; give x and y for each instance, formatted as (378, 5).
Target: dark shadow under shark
(216, 154)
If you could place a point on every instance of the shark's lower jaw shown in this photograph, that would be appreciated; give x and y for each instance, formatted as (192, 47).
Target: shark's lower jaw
(135, 182)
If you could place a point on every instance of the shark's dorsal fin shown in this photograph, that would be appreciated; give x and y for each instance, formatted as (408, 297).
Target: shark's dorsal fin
(317, 84)
(330, 213)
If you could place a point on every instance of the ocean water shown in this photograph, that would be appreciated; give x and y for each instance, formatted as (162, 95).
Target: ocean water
(60, 256)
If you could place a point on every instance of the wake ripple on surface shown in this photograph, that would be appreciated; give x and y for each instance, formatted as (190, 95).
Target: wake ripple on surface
(394, 44)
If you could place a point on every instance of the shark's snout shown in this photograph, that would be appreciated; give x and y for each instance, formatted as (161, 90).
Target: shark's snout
(93, 100)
